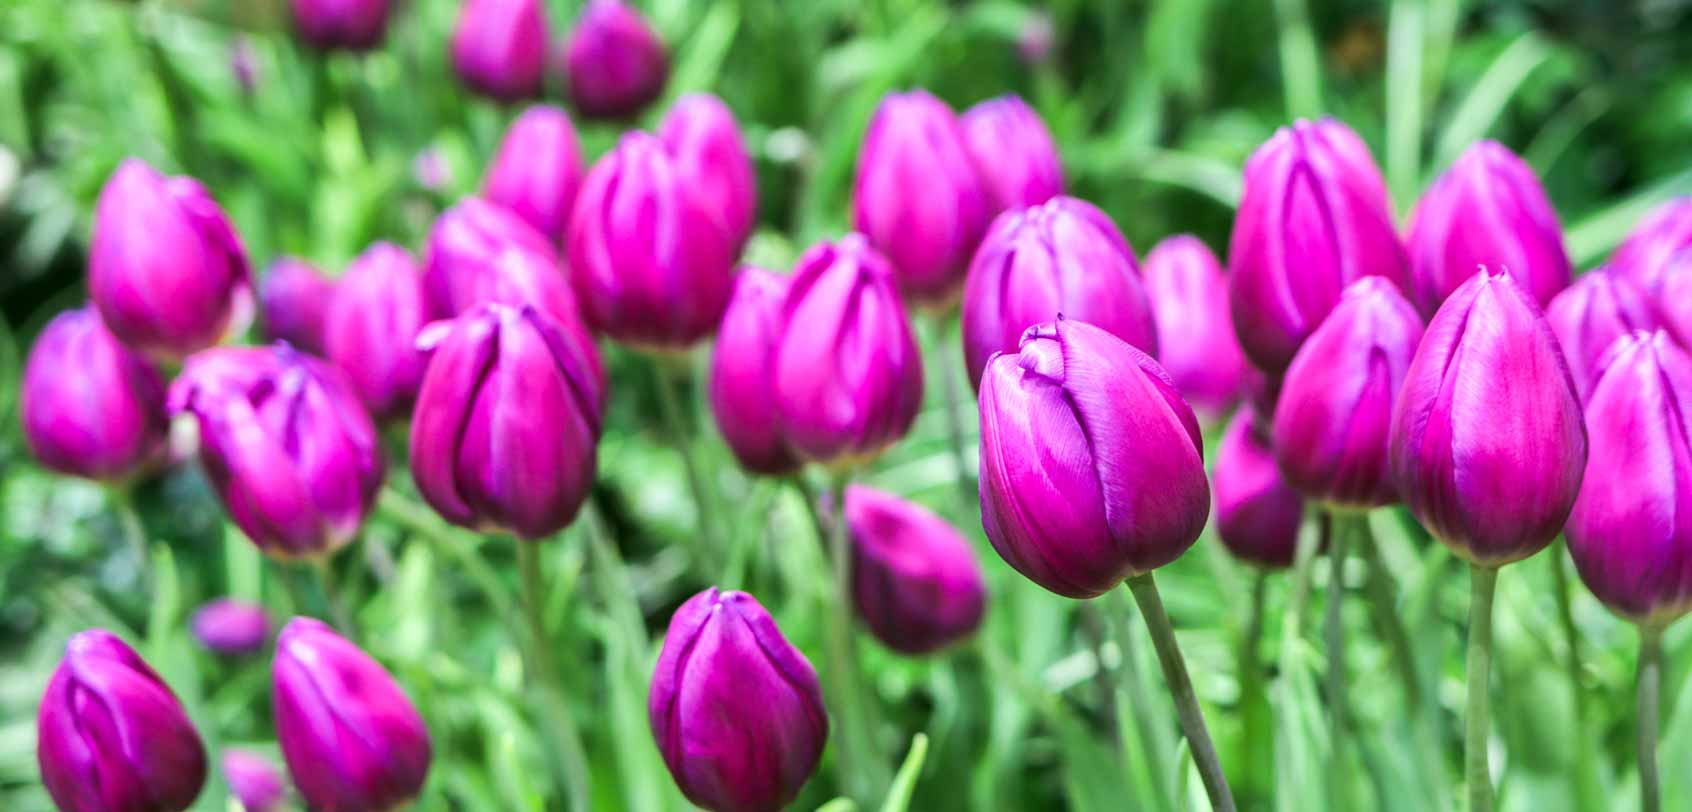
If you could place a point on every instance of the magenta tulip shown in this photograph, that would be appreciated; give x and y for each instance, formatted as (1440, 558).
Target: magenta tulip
(711, 157)
(355, 25)
(1195, 333)
(1257, 513)
(915, 581)
(537, 170)
(1662, 240)
(615, 64)
(254, 781)
(742, 384)
(499, 48)
(1014, 153)
(91, 407)
(1590, 315)
(293, 296)
(232, 627)
(371, 329)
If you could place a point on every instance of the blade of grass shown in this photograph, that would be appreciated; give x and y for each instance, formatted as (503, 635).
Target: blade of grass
(1489, 96)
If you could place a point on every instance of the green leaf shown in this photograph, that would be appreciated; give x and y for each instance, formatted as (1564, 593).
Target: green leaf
(1489, 96)
(904, 782)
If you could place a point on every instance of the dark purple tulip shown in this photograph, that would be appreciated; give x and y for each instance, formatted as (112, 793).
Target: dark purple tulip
(91, 407)
(507, 423)
(742, 374)
(848, 374)
(711, 157)
(165, 267)
(1257, 513)
(918, 197)
(1334, 414)
(229, 626)
(286, 443)
(112, 737)
(1590, 315)
(351, 738)
(615, 64)
(1195, 333)
(1063, 256)
(352, 24)
(735, 709)
(1315, 218)
(648, 260)
(1014, 153)
(538, 169)
(1487, 440)
(293, 296)
(256, 783)
(371, 328)
(499, 48)
(1662, 240)
(1092, 466)
(915, 581)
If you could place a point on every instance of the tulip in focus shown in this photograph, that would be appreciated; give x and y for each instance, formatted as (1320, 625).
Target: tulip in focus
(91, 407)
(293, 297)
(742, 387)
(537, 170)
(255, 783)
(1014, 153)
(230, 626)
(711, 157)
(1590, 315)
(1662, 240)
(915, 581)
(371, 329)
(1195, 333)
(1257, 513)
(352, 24)
(499, 48)
(615, 64)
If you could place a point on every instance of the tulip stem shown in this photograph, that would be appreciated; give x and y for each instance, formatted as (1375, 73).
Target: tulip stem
(860, 771)
(332, 599)
(572, 770)
(1333, 626)
(1587, 792)
(134, 537)
(1650, 685)
(709, 546)
(1482, 582)
(970, 499)
(1255, 715)
(1181, 689)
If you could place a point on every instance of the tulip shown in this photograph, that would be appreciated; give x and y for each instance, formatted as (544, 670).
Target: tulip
(293, 296)
(1314, 218)
(742, 386)
(165, 267)
(735, 709)
(711, 157)
(286, 444)
(256, 784)
(431, 170)
(499, 48)
(230, 626)
(651, 265)
(243, 64)
(1662, 240)
(1257, 513)
(91, 407)
(915, 581)
(1674, 303)
(1014, 153)
(1060, 257)
(918, 197)
(615, 63)
(350, 736)
(112, 737)
(371, 328)
(1036, 38)
(1590, 315)
(538, 169)
(356, 25)
(1195, 333)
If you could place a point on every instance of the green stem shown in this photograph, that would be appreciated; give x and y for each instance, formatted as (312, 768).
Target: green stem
(682, 436)
(967, 495)
(1649, 688)
(459, 545)
(571, 767)
(1255, 745)
(1128, 677)
(135, 538)
(860, 771)
(325, 581)
(1587, 791)
(1482, 582)
(1334, 678)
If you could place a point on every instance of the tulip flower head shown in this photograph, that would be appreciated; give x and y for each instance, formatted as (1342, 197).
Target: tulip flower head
(230, 626)
(1674, 303)
(1662, 240)
(1014, 153)
(256, 783)
(1195, 333)
(355, 25)
(91, 407)
(711, 157)
(915, 581)
(499, 48)
(1590, 315)
(537, 170)
(742, 384)
(615, 64)
(1257, 513)
(467, 263)
(293, 297)
(371, 328)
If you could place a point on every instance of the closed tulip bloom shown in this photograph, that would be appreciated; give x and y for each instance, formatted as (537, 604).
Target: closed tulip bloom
(351, 738)
(1314, 219)
(165, 267)
(230, 626)
(848, 374)
(91, 407)
(256, 783)
(615, 64)
(1195, 333)
(1014, 153)
(352, 24)
(462, 267)
(1662, 240)
(293, 296)
(742, 374)
(372, 325)
(915, 581)
(499, 48)
(1487, 440)
(1092, 466)
(918, 197)
(537, 170)
(1257, 513)
(112, 737)
(735, 709)
(711, 157)
(1590, 315)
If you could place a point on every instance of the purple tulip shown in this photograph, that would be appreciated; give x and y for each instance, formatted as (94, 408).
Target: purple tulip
(538, 169)
(742, 363)
(352, 740)
(243, 64)
(371, 329)
(229, 626)
(711, 157)
(1037, 38)
(1195, 333)
(461, 265)
(915, 581)
(112, 737)
(1315, 218)
(1487, 440)
(918, 197)
(1092, 467)
(431, 170)
(91, 407)
(615, 64)
(293, 296)
(254, 781)
(286, 444)
(1662, 240)
(356, 25)
(848, 375)
(1674, 303)
(1014, 153)
(1257, 513)
(735, 709)
(651, 265)
(165, 267)
(499, 48)
(1590, 315)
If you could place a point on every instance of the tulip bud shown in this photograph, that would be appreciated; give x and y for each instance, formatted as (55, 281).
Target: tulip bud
(1060, 257)
(918, 197)
(735, 709)
(1035, 40)
(1195, 333)
(1588, 316)
(742, 363)
(256, 784)
(1674, 303)
(537, 170)
(243, 63)
(1014, 153)
(286, 444)
(293, 297)
(1092, 467)
(651, 265)
(499, 48)
(232, 627)
(848, 375)
(615, 63)
(1487, 441)
(112, 737)
(1257, 513)
(710, 156)
(431, 170)
(350, 736)
(165, 267)
(91, 407)
(372, 325)
(1660, 241)
(1314, 219)
(915, 581)
(352, 24)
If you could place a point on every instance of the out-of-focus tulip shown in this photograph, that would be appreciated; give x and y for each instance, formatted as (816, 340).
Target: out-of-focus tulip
(165, 267)
(1063, 256)
(112, 736)
(243, 63)
(615, 64)
(1257, 512)
(915, 582)
(1674, 301)
(230, 626)
(1487, 440)
(350, 736)
(742, 374)
(371, 328)
(1092, 466)
(91, 407)
(538, 169)
(650, 263)
(711, 157)
(1590, 315)
(1014, 153)
(1315, 218)
(1662, 240)
(1035, 41)
(1195, 334)
(848, 374)
(256, 783)
(285, 442)
(918, 197)
(736, 709)
(499, 48)
(293, 296)
(431, 169)
(352, 24)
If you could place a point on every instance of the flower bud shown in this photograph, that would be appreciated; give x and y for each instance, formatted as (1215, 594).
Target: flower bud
(742, 363)
(1092, 467)
(1195, 333)
(286, 444)
(230, 626)
(243, 64)
(711, 157)
(1314, 218)
(1588, 316)
(352, 24)
(499, 48)
(1257, 513)
(537, 170)
(371, 329)
(1014, 153)
(1487, 440)
(112, 737)
(651, 265)
(1674, 304)
(1060, 257)
(615, 64)
(1037, 37)
(254, 782)
(1660, 241)
(735, 709)
(293, 297)
(165, 267)
(848, 375)
(351, 738)
(918, 197)
(91, 407)
(915, 581)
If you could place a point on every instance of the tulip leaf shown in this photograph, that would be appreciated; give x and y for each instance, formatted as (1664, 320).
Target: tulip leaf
(839, 805)
(904, 782)
(1489, 95)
